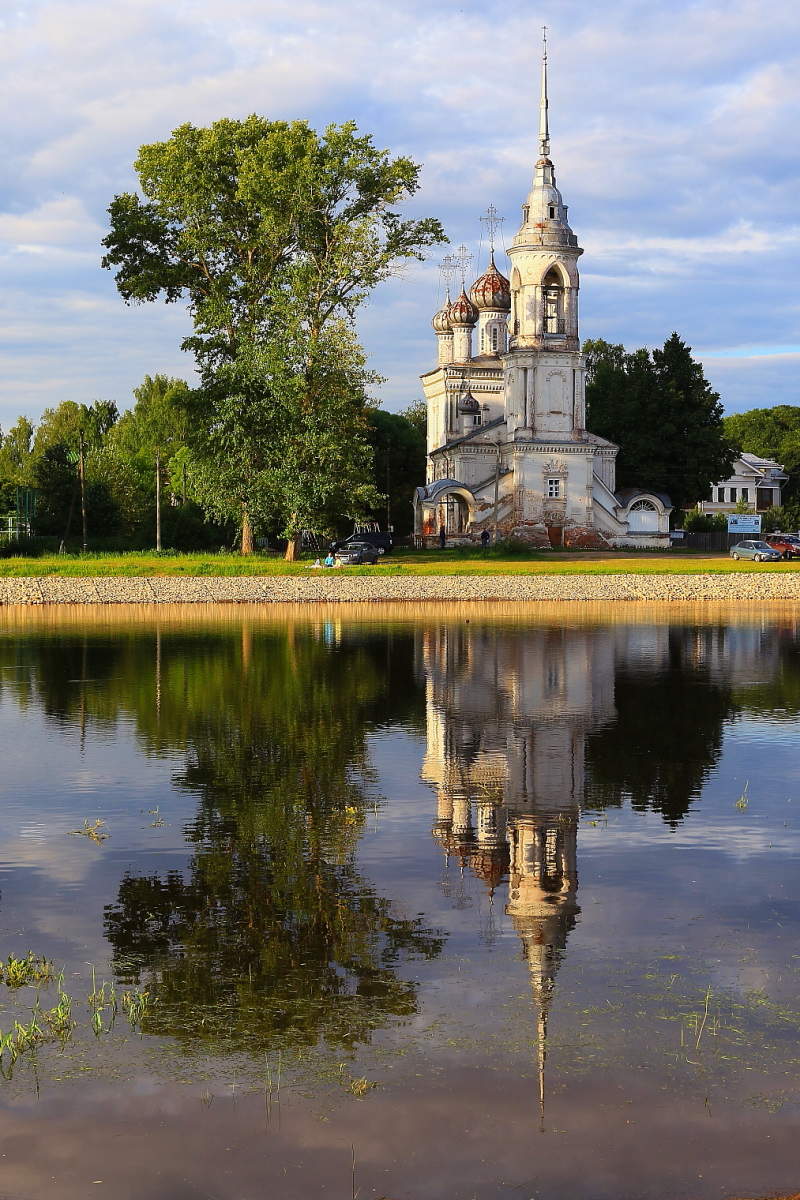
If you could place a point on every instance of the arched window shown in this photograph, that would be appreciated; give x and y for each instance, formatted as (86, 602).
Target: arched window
(553, 296)
(643, 517)
(495, 336)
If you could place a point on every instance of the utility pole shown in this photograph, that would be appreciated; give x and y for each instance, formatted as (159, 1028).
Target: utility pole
(158, 501)
(82, 475)
(496, 489)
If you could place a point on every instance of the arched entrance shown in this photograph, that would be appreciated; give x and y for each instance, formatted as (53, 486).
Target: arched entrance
(454, 514)
(444, 504)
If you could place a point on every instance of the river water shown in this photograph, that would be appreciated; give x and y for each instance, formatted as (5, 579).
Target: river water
(428, 904)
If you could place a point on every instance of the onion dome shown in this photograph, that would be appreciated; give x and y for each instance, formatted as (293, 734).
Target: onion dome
(468, 404)
(441, 322)
(463, 311)
(491, 291)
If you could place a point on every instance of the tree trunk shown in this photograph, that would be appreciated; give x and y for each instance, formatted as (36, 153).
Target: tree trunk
(247, 532)
(158, 502)
(293, 548)
(82, 475)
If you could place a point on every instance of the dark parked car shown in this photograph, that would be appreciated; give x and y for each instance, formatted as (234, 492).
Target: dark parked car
(382, 542)
(757, 550)
(353, 554)
(786, 544)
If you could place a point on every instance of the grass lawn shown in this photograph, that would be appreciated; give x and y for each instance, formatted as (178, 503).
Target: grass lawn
(468, 561)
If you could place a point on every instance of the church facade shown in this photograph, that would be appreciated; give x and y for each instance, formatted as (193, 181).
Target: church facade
(508, 448)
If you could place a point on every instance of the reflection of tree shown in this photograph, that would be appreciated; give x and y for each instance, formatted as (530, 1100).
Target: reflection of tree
(666, 738)
(273, 931)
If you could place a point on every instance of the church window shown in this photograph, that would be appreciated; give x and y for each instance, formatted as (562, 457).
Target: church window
(494, 337)
(733, 495)
(720, 495)
(553, 295)
(553, 489)
(483, 340)
(746, 494)
(552, 212)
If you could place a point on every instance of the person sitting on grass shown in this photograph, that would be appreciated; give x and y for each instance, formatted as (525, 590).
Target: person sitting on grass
(330, 561)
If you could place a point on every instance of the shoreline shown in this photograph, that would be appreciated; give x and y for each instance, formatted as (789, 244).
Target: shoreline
(755, 587)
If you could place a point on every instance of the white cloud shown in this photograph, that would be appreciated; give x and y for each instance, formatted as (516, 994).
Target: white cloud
(673, 136)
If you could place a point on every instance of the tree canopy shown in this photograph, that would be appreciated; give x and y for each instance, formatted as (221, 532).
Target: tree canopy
(663, 414)
(274, 235)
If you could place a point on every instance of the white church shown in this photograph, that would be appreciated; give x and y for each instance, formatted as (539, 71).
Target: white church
(508, 448)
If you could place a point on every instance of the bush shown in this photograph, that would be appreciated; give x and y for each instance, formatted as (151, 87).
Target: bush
(700, 522)
(27, 547)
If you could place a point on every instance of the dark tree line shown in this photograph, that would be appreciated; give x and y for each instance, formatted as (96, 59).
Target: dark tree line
(663, 414)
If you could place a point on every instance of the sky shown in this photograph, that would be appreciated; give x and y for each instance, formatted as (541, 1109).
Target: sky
(673, 131)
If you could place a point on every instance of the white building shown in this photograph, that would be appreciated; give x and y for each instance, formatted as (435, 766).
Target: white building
(757, 481)
(508, 447)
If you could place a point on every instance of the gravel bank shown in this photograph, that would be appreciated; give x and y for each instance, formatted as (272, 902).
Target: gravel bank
(331, 588)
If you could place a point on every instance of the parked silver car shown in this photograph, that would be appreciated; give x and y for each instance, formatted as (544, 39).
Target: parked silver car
(758, 551)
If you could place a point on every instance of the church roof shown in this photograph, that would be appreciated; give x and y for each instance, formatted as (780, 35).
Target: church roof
(468, 403)
(441, 321)
(626, 495)
(491, 291)
(463, 311)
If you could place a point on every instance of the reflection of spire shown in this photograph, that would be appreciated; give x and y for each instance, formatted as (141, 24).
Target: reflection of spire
(506, 724)
(544, 125)
(541, 1054)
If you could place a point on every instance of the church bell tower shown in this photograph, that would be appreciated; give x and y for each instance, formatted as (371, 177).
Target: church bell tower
(545, 367)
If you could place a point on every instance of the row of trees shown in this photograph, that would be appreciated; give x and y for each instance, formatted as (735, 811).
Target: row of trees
(667, 420)
(135, 480)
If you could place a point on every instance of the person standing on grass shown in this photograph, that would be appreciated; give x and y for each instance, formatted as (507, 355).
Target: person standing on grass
(442, 537)
(484, 538)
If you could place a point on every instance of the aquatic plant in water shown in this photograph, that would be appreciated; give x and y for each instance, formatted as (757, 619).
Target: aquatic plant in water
(95, 832)
(18, 972)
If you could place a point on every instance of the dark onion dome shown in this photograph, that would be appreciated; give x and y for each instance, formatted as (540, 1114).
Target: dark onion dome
(441, 322)
(463, 311)
(492, 291)
(468, 404)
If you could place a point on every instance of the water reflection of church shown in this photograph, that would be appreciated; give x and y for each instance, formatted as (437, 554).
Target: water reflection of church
(507, 715)
(510, 713)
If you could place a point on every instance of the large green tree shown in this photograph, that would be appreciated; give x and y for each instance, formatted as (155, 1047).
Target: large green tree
(271, 233)
(662, 412)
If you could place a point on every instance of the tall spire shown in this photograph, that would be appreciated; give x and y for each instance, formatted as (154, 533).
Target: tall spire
(544, 128)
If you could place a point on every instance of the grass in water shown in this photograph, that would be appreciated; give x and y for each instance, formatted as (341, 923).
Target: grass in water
(18, 972)
(744, 799)
(135, 1005)
(95, 832)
